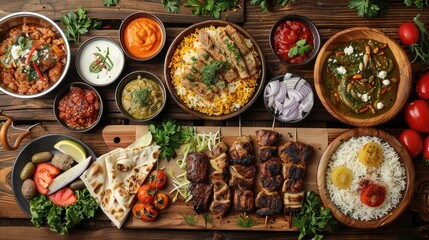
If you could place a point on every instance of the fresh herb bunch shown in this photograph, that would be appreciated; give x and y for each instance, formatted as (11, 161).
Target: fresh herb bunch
(374, 8)
(300, 48)
(314, 218)
(62, 219)
(77, 23)
(109, 3)
(264, 6)
(421, 49)
(210, 72)
(169, 135)
(201, 7)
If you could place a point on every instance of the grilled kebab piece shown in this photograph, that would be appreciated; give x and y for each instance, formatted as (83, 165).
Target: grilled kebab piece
(201, 196)
(197, 171)
(267, 137)
(268, 203)
(219, 178)
(241, 151)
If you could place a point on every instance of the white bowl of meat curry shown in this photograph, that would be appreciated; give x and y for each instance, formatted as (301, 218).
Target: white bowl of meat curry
(34, 55)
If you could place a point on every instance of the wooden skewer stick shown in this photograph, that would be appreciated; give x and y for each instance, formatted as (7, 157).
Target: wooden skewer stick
(274, 123)
(266, 221)
(239, 125)
(290, 220)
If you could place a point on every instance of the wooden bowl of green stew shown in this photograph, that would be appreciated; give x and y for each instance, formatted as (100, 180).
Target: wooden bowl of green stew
(362, 77)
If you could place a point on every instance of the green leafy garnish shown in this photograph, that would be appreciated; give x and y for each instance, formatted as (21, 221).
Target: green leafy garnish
(190, 219)
(210, 7)
(368, 8)
(62, 219)
(109, 3)
(314, 218)
(210, 72)
(169, 136)
(77, 23)
(421, 49)
(101, 62)
(208, 218)
(264, 6)
(300, 48)
(418, 3)
(171, 6)
(140, 96)
(246, 221)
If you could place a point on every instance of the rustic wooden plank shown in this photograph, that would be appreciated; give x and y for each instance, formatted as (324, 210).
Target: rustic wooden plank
(55, 9)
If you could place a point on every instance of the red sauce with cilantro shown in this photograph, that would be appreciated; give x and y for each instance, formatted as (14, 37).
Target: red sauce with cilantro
(285, 37)
(79, 108)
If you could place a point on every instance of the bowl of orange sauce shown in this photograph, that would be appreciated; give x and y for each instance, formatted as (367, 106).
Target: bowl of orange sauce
(142, 36)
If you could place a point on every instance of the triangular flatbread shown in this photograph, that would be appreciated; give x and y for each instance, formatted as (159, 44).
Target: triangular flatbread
(113, 185)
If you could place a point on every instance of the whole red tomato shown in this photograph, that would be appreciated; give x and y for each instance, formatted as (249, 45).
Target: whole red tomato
(412, 141)
(417, 115)
(409, 33)
(373, 195)
(423, 86)
(157, 179)
(146, 194)
(426, 149)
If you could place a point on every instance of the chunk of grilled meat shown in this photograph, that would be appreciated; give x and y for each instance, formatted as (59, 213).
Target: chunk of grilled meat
(268, 203)
(218, 149)
(221, 200)
(295, 153)
(273, 183)
(241, 151)
(267, 137)
(242, 176)
(243, 200)
(266, 152)
(201, 196)
(291, 171)
(293, 186)
(219, 177)
(197, 166)
(293, 201)
(271, 167)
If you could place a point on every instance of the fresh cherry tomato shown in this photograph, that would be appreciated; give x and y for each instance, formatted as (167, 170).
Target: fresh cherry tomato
(409, 33)
(137, 208)
(157, 179)
(417, 115)
(412, 141)
(146, 194)
(423, 86)
(373, 195)
(149, 213)
(63, 197)
(426, 149)
(43, 177)
(161, 200)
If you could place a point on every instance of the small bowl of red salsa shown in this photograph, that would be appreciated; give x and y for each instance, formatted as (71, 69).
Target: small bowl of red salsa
(295, 40)
(78, 107)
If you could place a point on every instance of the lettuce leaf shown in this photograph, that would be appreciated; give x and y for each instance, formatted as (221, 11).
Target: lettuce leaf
(62, 219)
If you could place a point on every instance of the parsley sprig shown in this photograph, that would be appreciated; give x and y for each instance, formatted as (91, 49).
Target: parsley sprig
(263, 4)
(169, 135)
(300, 48)
(374, 8)
(313, 218)
(212, 8)
(109, 3)
(77, 23)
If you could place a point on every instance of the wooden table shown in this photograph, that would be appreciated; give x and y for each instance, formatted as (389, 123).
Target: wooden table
(330, 16)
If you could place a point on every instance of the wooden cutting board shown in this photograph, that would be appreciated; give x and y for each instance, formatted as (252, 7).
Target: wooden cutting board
(117, 136)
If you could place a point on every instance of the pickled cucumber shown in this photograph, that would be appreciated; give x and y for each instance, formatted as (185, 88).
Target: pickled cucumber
(371, 154)
(41, 157)
(27, 171)
(341, 177)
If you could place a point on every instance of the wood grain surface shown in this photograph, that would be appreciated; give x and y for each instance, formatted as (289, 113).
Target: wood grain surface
(330, 16)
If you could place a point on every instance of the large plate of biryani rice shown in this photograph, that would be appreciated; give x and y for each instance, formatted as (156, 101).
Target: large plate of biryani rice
(366, 177)
(214, 70)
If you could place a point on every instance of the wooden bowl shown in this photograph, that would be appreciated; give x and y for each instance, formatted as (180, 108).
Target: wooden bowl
(401, 58)
(189, 31)
(407, 164)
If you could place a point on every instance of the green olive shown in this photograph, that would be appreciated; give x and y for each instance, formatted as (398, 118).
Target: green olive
(41, 157)
(77, 185)
(27, 171)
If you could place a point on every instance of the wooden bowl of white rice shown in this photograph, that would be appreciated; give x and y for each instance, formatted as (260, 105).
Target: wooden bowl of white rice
(394, 173)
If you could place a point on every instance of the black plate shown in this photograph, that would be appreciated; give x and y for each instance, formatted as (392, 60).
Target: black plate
(44, 143)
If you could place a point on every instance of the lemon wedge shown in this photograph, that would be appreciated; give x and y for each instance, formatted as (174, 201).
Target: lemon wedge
(71, 148)
(143, 141)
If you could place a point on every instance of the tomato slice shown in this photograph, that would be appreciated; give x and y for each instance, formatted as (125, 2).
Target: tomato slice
(373, 195)
(63, 197)
(43, 177)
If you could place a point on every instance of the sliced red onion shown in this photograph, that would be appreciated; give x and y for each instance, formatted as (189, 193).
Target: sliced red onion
(273, 88)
